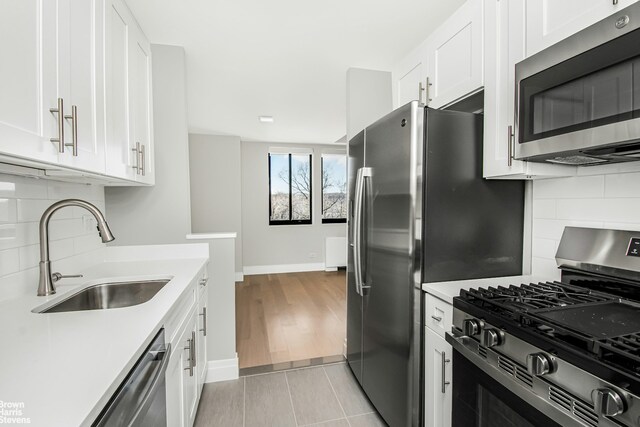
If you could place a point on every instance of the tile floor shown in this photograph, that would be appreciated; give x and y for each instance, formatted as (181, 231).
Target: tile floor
(327, 396)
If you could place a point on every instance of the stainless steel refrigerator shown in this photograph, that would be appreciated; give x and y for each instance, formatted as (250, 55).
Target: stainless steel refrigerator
(419, 211)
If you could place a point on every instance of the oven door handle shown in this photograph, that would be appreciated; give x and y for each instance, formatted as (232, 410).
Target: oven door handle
(144, 405)
(457, 341)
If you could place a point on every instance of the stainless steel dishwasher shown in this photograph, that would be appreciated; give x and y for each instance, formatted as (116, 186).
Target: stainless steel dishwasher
(140, 401)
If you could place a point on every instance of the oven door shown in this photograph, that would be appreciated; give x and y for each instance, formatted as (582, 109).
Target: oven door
(485, 395)
(481, 401)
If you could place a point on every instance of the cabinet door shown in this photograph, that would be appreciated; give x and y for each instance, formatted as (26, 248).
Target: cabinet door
(504, 47)
(84, 79)
(119, 132)
(29, 78)
(190, 378)
(409, 78)
(141, 106)
(549, 21)
(438, 375)
(455, 55)
(202, 339)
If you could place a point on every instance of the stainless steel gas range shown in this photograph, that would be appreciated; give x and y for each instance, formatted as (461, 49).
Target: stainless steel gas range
(563, 353)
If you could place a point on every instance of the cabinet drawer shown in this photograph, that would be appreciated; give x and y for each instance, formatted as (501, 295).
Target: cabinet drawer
(439, 315)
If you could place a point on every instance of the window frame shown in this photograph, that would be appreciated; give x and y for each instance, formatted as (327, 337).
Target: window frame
(291, 221)
(327, 220)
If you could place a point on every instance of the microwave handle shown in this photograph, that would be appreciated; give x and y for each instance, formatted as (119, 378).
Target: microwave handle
(510, 146)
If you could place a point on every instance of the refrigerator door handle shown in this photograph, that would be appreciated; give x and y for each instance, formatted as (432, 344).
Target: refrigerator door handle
(357, 240)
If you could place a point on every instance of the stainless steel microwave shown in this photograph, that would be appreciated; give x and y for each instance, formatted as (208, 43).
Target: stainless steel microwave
(578, 101)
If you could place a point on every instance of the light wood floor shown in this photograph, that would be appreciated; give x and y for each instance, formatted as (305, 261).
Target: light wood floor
(287, 317)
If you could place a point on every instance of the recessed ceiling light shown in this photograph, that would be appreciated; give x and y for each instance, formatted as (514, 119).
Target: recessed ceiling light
(265, 119)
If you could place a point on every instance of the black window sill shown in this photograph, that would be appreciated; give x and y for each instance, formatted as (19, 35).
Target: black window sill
(334, 220)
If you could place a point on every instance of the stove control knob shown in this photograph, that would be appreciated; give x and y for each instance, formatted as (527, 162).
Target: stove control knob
(539, 364)
(471, 327)
(607, 402)
(491, 337)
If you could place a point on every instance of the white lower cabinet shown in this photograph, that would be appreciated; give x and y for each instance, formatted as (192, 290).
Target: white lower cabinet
(201, 338)
(188, 359)
(438, 380)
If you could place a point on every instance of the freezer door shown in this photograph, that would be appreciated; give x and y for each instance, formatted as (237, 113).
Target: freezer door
(394, 158)
(354, 299)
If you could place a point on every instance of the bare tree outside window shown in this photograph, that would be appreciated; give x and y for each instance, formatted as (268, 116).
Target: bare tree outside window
(290, 189)
(334, 188)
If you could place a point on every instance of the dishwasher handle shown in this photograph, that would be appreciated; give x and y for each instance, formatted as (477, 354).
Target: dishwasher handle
(157, 381)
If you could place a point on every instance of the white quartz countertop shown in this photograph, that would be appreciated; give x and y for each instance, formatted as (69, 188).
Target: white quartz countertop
(62, 368)
(446, 291)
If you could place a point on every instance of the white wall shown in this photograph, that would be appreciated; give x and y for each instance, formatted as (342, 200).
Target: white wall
(369, 97)
(159, 214)
(269, 248)
(215, 173)
(600, 201)
(72, 231)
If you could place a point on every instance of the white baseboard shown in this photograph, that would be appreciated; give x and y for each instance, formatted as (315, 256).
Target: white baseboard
(239, 276)
(328, 269)
(282, 268)
(222, 370)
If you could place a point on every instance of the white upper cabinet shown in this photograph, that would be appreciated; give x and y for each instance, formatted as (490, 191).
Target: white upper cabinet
(82, 79)
(409, 78)
(142, 107)
(504, 47)
(76, 89)
(119, 131)
(29, 78)
(129, 133)
(455, 55)
(549, 21)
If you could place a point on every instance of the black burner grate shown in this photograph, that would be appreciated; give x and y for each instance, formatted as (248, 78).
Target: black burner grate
(603, 325)
(533, 297)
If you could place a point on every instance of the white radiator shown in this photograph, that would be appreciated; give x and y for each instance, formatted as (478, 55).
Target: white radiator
(335, 252)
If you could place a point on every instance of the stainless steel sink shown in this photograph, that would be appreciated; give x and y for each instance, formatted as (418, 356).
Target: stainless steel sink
(109, 295)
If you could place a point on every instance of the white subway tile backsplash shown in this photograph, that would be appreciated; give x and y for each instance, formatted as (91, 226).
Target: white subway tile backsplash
(544, 208)
(569, 188)
(543, 247)
(9, 262)
(72, 231)
(8, 210)
(553, 228)
(546, 268)
(590, 200)
(611, 210)
(622, 185)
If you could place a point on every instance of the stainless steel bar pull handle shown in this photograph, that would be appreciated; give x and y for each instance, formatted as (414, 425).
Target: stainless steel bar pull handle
(190, 347)
(428, 90)
(143, 161)
(436, 318)
(445, 383)
(357, 230)
(137, 153)
(74, 130)
(357, 250)
(421, 89)
(204, 321)
(60, 138)
(193, 351)
(510, 146)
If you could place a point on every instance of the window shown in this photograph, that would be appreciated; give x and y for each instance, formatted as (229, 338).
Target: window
(289, 189)
(334, 188)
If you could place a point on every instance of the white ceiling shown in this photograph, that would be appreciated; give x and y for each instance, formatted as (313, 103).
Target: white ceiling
(283, 58)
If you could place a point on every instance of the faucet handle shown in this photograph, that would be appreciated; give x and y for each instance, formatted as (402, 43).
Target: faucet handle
(57, 276)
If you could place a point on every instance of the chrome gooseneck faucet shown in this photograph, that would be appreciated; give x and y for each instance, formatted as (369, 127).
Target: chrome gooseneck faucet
(47, 279)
